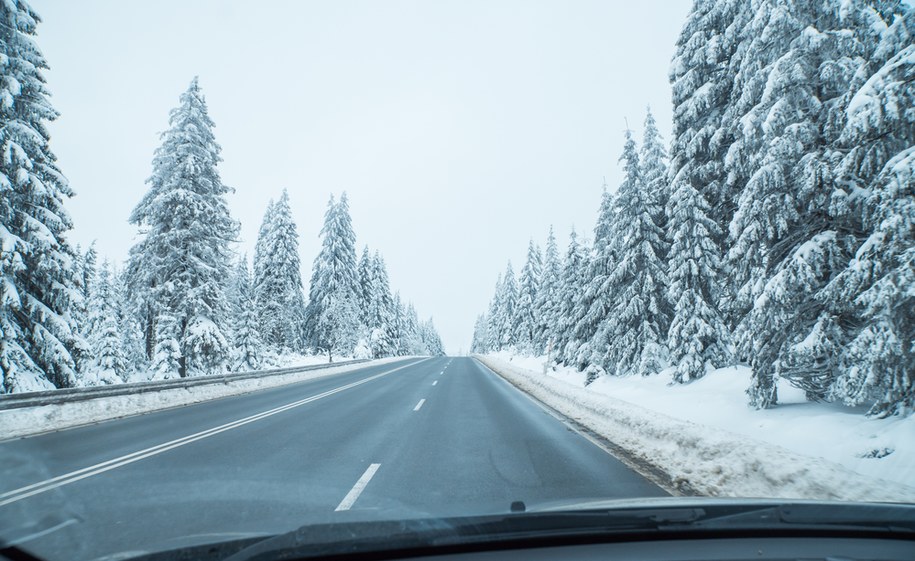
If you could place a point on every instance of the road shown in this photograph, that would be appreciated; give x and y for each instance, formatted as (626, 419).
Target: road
(422, 437)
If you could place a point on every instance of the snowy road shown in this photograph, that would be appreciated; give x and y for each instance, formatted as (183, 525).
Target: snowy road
(422, 437)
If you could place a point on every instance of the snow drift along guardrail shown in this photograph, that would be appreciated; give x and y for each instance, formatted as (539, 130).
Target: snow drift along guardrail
(69, 395)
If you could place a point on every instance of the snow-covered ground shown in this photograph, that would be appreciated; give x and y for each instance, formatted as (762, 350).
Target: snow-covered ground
(704, 433)
(34, 420)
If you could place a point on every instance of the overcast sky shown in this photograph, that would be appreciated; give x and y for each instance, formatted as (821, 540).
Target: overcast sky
(460, 129)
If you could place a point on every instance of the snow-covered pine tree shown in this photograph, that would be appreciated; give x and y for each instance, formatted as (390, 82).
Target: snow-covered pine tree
(132, 340)
(528, 317)
(507, 327)
(181, 265)
(37, 263)
(413, 343)
(278, 290)
(653, 159)
(637, 326)
(547, 303)
(871, 300)
(332, 316)
(572, 285)
(795, 226)
(493, 318)
(85, 265)
(381, 310)
(703, 89)
(432, 343)
(589, 315)
(364, 290)
(167, 359)
(246, 336)
(109, 365)
(480, 342)
(698, 338)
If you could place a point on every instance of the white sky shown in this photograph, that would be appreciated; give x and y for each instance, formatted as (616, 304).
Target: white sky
(459, 128)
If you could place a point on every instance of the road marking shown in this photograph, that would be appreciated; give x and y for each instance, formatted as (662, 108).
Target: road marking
(357, 489)
(435, 382)
(74, 476)
(420, 404)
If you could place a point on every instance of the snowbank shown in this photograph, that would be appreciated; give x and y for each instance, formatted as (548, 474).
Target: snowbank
(34, 420)
(703, 435)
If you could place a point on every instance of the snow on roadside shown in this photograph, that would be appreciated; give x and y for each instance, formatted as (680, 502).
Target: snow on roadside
(700, 435)
(33, 420)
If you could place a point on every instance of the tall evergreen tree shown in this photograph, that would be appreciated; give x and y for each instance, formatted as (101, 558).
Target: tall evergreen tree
(332, 316)
(365, 285)
(870, 304)
(635, 340)
(572, 287)
(480, 342)
(493, 318)
(528, 316)
(589, 314)
(109, 361)
(698, 337)
(508, 315)
(653, 161)
(246, 334)
(278, 290)
(181, 265)
(132, 340)
(548, 292)
(37, 263)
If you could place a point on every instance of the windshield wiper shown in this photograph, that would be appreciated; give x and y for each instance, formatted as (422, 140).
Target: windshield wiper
(697, 519)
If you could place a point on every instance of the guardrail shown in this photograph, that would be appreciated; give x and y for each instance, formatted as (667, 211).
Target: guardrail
(51, 397)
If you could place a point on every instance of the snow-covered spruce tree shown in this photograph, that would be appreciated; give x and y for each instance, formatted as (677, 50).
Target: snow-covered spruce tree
(432, 343)
(638, 323)
(109, 364)
(493, 318)
(588, 316)
(380, 310)
(547, 303)
(132, 340)
(796, 223)
(413, 342)
(246, 334)
(167, 359)
(37, 262)
(702, 88)
(528, 317)
(364, 290)
(85, 265)
(507, 327)
(571, 288)
(278, 291)
(698, 338)
(873, 321)
(332, 316)
(180, 266)
(653, 159)
(480, 342)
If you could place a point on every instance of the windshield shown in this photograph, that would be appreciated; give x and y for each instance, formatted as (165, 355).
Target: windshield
(307, 267)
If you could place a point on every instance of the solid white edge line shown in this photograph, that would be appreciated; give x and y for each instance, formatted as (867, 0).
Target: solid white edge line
(420, 404)
(77, 475)
(357, 489)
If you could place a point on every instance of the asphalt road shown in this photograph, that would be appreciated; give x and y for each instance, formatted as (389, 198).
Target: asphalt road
(423, 437)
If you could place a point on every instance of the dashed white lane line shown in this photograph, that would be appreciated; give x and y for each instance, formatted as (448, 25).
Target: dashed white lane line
(357, 489)
(435, 382)
(74, 476)
(420, 404)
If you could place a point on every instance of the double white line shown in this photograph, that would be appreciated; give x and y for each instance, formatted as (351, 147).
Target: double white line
(74, 476)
